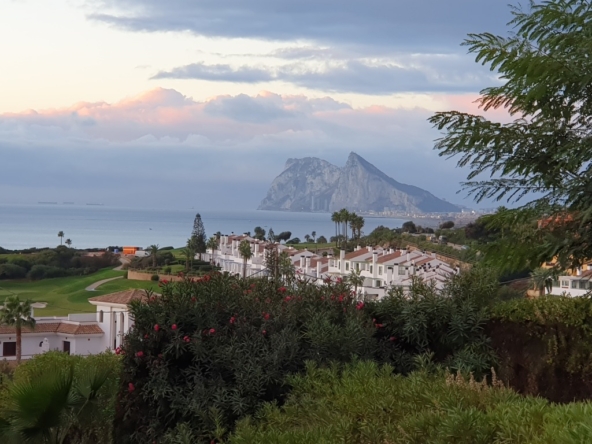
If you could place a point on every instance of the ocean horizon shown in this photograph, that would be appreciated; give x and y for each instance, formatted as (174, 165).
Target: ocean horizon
(99, 226)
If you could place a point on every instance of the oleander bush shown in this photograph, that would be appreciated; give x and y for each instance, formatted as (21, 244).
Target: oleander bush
(366, 404)
(210, 351)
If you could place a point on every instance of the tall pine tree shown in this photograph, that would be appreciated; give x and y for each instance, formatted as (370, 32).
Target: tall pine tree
(198, 236)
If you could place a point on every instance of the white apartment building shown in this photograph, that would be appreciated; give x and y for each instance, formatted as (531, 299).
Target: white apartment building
(577, 284)
(381, 268)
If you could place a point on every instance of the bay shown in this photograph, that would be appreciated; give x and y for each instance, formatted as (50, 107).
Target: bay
(98, 226)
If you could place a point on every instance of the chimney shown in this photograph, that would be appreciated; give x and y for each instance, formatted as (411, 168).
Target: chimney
(342, 261)
(302, 261)
(369, 249)
(374, 262)
(307, 269)
(319, 265)
(408, 257)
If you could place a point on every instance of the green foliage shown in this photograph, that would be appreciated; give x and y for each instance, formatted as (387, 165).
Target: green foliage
(322, 240)
(56, 398)
(447, 324)
(12, 271)
(366, 404)
(544, 345)
(295, 240)
(154, 278)
(545, 152)
(224, 345)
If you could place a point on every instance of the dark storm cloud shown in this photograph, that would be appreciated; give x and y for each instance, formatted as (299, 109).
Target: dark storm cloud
(378, 25)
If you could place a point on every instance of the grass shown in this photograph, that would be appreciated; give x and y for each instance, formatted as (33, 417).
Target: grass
(64, 295)
(311, 246)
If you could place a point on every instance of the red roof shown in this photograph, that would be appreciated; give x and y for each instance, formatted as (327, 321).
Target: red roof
(389, 257)
(56, 327)
(121, 297)
(358, 253)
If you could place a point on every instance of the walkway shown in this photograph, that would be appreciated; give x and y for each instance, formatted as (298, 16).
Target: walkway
(93, 287)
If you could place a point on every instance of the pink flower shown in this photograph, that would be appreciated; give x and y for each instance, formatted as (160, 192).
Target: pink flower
(156, 327)
(187, 339)
(340, 298)
(193, 299)
(131, 387)
(232, 320)
(164, 282)
(139, 354)
(266, 316)
(379, 325)
(288, 298)
(339, 280)
(118, 351)
(282, 289)
(360, 306)
(264, 332)
(212, 331)
(174, 327)
(145, 336)
(392, 339)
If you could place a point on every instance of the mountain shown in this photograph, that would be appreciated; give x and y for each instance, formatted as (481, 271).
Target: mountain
(312, 184)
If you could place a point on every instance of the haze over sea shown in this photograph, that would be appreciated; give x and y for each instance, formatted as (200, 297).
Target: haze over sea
(89, 226)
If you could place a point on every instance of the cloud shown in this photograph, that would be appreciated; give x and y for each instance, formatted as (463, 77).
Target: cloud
(377, 25)
(224, 152)
(418, 73)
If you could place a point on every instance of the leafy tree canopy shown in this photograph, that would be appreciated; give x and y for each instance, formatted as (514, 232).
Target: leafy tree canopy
(543, 154)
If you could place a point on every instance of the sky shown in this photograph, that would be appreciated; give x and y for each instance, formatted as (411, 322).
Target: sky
(199, 103)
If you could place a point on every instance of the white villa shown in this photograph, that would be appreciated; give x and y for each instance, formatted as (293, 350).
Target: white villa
(577, 284)
(80, 334)
(381, 268)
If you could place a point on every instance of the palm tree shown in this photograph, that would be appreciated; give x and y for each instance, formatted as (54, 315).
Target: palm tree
(244, 250)
(356, 224)
(336, 218)
(61, 236)
(542, 279)
(344, 217)
(356, 279)
(307, 237)
(187, 253)
(44, 408)
(314, 236)
(68, 242)
(18, 313)
(212, 245)
(153, 249)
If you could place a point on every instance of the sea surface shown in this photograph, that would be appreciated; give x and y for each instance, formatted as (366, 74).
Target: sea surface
(90, 226)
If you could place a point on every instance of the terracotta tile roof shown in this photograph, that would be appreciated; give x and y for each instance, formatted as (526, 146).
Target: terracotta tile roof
(424, 261)
(56, 327)
(389, 257)
(121, 297)
(355, 254)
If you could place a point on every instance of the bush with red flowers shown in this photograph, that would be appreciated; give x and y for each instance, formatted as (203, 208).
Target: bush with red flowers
(228, 350)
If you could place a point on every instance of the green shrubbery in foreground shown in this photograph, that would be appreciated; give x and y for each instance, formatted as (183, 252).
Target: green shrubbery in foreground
(367, 404)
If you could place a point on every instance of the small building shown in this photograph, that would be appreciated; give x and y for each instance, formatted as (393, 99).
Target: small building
(130, 251)
(77, 334)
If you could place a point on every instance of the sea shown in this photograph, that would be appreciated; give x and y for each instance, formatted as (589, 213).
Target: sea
(100, 226)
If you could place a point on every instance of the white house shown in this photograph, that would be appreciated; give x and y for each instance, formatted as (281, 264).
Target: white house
(577, 284)
(80, 334)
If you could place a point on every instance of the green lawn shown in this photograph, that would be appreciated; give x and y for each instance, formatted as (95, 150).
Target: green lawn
(310, 246)
(66, 295)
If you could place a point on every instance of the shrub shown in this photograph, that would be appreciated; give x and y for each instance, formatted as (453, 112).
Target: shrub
(11, 271)
(38, 272)
(167, 270)
(21, 262)
(210, 351)
(95, 425)
(449, 323)
(154, 278)
(366, 404)
(544, 345)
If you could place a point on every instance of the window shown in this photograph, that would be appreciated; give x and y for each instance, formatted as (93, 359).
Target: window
(380, 270)
(565, 283)
(347, 266)
(555, 283)
(357, 266)
(377, 284)
(583, 285)
(67, 347)
(401, 271)
(574, 284)
(371, 271)
(9, 349)
(101, 316)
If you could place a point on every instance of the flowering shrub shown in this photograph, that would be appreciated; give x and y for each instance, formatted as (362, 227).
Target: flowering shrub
(211, 350)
